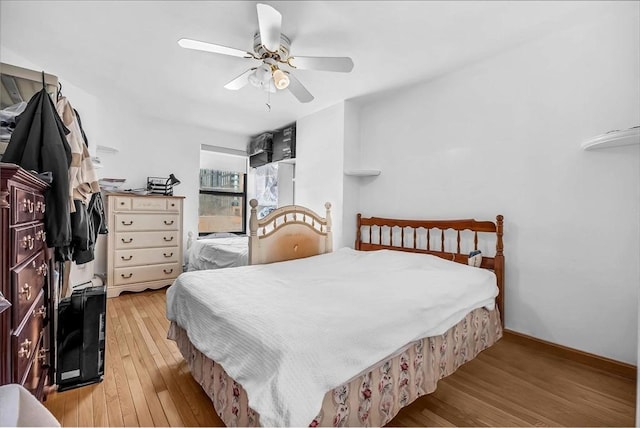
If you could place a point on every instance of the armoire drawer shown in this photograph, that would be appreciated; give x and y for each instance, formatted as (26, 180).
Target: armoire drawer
(128, 240)
(27, 281)
(27, 240)
(134, 222)
(130, 275)
(25, 340)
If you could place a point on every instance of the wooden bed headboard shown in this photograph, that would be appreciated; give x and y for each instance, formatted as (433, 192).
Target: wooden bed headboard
(287, 233)
(407, 235)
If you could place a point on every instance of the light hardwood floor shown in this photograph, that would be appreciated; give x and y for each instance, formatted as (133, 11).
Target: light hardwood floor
(147, 383)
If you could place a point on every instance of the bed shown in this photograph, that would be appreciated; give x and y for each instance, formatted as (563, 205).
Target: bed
(217, 251)
(307, 336)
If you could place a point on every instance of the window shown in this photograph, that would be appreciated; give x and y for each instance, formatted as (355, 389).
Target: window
(266, 182)
(222, 207)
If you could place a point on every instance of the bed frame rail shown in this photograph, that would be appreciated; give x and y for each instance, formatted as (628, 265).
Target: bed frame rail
(405, 235)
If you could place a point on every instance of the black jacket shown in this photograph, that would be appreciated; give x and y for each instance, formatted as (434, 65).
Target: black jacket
(39, 143)
(87, 223)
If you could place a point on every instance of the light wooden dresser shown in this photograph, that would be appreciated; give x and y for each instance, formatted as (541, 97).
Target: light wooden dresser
(144, 248)
(25, 280)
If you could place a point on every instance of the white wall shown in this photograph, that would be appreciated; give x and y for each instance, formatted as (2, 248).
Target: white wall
(223, 161)
(319, 164)
(503, 137)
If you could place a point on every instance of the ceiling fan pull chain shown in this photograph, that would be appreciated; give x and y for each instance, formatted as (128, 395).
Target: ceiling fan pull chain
(268, 103)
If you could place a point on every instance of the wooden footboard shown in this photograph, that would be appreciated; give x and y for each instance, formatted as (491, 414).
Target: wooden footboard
(290, 232)
(435, 237)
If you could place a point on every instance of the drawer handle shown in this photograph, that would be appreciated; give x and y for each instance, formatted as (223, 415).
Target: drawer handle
(27, 206)
(168, 223)
(26, 289)
(126, 276)
(43, 269)
(168, 255)
(129, 241)
(127, 224)
(28, 241)
(25, 349)
(121, 203)
(40, 312)
(168, 272)
(167, 239)
(42, 355)
(126, 259)
(42, 207)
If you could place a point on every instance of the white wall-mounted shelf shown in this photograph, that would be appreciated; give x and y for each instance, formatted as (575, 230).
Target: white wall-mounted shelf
(106, 149)
(362, 172)
(627, 137)
(291, 161)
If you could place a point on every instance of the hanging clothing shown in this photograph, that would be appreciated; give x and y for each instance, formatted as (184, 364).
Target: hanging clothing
(39, 143)
(96, 223)
(83, 180)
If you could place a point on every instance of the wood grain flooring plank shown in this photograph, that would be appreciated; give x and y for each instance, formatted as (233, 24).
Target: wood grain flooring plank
(145, 366)
(99, 404)
(70, 416)
(116, 356)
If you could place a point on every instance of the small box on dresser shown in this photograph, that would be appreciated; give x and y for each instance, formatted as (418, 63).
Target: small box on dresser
(144, 247)
(25, 280)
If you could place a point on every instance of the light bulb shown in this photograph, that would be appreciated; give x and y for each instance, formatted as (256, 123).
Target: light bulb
(281, 79)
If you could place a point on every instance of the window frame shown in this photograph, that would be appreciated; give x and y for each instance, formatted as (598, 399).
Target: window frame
(242, 194)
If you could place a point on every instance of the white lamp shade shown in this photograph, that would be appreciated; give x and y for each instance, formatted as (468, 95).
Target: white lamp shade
(281, 79)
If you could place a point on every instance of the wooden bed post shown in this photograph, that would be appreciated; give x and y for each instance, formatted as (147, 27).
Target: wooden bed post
(329, 241)
(253, 232)
(499, 266)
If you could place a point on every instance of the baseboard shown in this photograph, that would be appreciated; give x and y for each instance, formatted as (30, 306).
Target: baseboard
(619, 368)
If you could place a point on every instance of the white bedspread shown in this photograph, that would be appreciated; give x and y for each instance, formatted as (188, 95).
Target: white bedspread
(219, 253)
(289, 332)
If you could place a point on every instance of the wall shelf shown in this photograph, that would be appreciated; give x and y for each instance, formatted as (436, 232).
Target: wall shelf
(362, 172)
(106, 149)
(627, 137)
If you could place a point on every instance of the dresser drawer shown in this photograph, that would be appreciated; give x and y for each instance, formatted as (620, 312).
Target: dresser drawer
(36, 376)
(130, 275)
(149, 204)
(121, 203)
(27, 240)
(24, 341)
(128, 240)
(134, 222)
(25, 206)
(27, 281)
(40, 208)
(173, 205)
(145, 256)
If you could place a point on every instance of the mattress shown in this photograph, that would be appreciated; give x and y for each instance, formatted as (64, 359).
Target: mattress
(218, 253)
(289, 332)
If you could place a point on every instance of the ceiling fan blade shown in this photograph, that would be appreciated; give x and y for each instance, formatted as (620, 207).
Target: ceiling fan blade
(211, 47)
(298, 90)
(342, 64)
(240, 81)
(269, 23)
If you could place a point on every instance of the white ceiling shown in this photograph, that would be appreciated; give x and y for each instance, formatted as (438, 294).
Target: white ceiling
(129, 49)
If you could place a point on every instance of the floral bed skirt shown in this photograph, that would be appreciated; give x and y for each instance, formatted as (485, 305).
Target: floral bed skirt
(372, 398)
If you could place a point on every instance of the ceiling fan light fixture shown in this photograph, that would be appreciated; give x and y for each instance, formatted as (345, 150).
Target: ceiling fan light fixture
(280, 79)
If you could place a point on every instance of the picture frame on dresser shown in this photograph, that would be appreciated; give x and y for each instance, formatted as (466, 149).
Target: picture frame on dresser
(144, 247)
(26, 264)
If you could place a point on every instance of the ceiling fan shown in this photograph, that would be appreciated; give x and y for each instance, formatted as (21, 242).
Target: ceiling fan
(272, 48)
